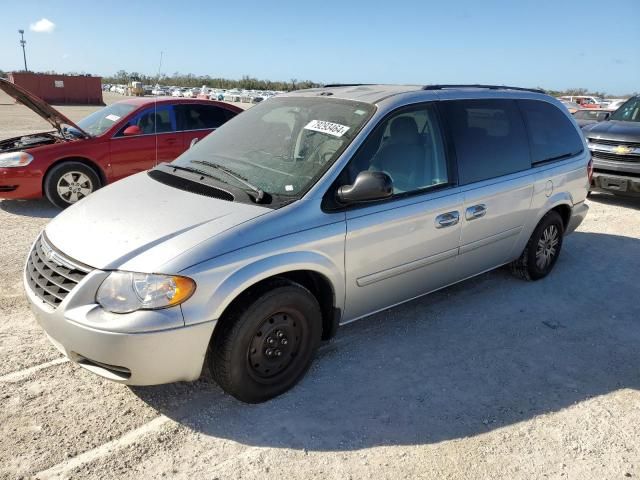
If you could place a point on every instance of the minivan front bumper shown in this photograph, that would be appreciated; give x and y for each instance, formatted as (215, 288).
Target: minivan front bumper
(138, 358)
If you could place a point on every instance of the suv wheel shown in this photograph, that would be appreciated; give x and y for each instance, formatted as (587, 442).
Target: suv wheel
(263, 348)
(69, 182)
(542, 250)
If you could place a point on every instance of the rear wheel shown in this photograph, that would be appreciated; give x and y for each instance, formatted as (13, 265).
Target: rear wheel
(69, 182)
(263, 347)
(542, 250)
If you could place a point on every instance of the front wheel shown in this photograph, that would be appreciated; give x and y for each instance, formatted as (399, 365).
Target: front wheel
(263, 347)
(69, 182)
(542, 250)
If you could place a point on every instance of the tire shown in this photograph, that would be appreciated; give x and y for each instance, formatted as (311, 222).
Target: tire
(267, 342)
(69, 182)
(542, 250)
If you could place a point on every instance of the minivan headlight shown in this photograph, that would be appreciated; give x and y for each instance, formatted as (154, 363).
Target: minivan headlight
(125, 292)
(15, 159)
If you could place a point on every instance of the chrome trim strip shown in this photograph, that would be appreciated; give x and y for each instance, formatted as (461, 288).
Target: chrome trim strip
(617, 149)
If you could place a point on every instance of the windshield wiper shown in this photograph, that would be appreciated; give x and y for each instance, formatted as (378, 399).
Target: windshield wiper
(194, 170)
(257, 190)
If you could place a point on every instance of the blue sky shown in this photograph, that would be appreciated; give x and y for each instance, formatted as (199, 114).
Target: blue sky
(550, 43)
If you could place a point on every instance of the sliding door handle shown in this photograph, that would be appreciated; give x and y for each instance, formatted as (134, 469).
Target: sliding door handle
(447, 219)
(476, 211)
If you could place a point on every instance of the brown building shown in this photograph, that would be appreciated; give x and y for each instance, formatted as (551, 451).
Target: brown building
(61, 89)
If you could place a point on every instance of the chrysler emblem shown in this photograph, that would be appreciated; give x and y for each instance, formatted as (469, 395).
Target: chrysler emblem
(49, 253)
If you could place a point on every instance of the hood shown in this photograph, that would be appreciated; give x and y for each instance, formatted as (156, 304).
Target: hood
(139, 224)
(614, 130)
(39, 106)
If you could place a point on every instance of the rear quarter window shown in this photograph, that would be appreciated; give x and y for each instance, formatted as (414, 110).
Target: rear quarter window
(551, 134)
(489, 137)
(198, 117)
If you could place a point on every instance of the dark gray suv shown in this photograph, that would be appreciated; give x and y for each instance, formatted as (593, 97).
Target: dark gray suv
(615, 148)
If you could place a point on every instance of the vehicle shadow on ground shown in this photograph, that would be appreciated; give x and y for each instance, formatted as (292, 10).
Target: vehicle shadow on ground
(489, 352)
(616, 200)
(40, 208)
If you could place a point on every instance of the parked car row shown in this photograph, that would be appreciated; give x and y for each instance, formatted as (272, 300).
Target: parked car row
(204, 92)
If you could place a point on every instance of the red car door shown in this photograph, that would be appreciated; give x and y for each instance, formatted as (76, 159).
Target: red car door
(157, 141)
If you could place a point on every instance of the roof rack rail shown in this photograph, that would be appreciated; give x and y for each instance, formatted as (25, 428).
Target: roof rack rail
(490, 87)
(330, 85)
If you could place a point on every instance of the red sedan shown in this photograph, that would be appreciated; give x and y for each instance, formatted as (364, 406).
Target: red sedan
(124, 138)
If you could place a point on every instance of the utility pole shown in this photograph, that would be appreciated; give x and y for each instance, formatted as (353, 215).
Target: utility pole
(23, 42)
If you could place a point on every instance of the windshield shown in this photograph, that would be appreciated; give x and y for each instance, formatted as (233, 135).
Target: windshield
(281, 146)
(99, 122)
(628, 111)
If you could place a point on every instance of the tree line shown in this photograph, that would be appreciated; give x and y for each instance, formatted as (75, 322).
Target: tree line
(249, 83)
(190, 80)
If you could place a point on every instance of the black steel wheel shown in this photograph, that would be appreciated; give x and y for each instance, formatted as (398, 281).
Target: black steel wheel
(266, 342)
(275, 345)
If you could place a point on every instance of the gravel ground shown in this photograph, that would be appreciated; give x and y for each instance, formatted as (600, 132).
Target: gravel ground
(491, 378)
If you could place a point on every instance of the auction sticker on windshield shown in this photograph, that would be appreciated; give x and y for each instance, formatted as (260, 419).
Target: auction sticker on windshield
(112, 117)
(329, 128)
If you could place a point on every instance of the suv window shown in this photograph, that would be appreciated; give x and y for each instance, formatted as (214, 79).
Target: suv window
(199, 117)
(629, 111)
(489, 138)
(551, 133)
(408, 147)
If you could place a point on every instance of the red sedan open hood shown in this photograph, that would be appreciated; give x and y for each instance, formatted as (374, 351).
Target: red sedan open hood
(42, 108)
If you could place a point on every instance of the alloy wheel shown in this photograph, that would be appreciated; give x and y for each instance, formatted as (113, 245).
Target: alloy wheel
(74, 186)
(547, 246)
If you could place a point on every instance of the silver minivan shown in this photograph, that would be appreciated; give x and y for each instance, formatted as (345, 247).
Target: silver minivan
(304, 213)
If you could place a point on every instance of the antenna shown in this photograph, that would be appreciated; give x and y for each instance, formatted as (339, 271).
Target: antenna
(155, 109)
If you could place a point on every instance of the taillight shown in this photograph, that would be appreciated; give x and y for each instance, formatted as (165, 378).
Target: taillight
(590, 169)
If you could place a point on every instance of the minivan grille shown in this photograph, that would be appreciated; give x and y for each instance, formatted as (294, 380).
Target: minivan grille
(51, 274)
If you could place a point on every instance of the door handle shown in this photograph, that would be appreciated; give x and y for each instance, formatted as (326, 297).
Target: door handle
(447, 219)
(476, 211)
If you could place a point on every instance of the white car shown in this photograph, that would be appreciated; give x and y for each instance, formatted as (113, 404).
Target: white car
(232, 96)
(176, 93)
(190, 93)
(615, 103)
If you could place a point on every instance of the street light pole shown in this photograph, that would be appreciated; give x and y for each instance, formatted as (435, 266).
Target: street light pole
(23, 42)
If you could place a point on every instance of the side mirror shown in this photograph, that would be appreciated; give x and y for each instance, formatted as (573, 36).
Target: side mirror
(132, 130)
(368, 186)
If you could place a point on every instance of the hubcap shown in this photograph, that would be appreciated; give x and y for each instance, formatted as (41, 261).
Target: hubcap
(275, 345)
(547, 247)
(74, 186)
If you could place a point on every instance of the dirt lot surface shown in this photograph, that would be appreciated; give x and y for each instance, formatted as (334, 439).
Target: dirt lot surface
(492, 378)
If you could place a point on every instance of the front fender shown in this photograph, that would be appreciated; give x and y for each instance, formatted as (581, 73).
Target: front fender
(272, 266)
(219, 294)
